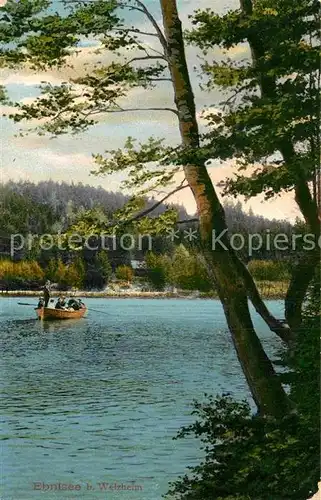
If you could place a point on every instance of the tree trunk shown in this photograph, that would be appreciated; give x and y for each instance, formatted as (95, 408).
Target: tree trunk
(264, 384)
(301, 278)
(303, 272)
(276, 326)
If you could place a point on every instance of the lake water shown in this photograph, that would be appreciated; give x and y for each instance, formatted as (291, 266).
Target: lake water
(99, 400)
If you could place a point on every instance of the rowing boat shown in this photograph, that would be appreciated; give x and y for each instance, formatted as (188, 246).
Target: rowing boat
(48, 313)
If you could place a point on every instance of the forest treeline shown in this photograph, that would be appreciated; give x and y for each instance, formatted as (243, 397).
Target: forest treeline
(49, 206)
(52, 207)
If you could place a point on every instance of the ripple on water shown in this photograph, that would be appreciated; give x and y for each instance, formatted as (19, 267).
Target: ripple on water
(101, 399)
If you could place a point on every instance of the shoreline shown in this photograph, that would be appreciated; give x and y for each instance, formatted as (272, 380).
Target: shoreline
(107, 295)
(268, 291)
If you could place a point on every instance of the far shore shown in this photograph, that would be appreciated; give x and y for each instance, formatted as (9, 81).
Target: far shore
(95, 295)
(268, 290)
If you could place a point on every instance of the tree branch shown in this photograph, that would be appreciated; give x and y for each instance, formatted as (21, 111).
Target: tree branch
(160, 79)
(158, 52)
(140, 32)
(148, 57)
(101, 110)
(277, 326)
(152, 208)
(120, 110)
(156, 205)
(187, 221)
(142, 8)
(144, 58)
(232, 97)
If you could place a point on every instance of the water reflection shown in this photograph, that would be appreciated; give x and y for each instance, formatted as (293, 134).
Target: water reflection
(58, 326)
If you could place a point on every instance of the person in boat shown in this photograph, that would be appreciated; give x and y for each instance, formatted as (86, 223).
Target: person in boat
(41, 303)
(81, 304)
(51, 303)
(46, 293)
(61, 303)
(74, 304)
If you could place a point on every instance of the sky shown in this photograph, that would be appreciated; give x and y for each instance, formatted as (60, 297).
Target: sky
(69, 158)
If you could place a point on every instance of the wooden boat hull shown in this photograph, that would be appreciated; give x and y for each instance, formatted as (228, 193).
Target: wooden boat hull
(47, 313)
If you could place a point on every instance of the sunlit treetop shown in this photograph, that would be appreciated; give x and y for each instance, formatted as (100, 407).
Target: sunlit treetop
(273, 93)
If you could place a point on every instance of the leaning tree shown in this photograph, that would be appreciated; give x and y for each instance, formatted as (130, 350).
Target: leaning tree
(37, 37)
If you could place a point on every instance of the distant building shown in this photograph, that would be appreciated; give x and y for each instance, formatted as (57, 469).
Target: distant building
(139, 267)
(138, 264)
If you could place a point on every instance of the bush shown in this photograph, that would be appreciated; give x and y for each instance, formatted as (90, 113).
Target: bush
(184, 270)
(269, 270)
(158, 267)
(249, 457)
(51, 270)
(20, 274)
(60, 274)
(98, 271)
(71, 275)
(103, 266)
(124, 273)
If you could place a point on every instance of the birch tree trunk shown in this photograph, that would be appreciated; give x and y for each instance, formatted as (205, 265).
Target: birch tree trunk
(264, 384)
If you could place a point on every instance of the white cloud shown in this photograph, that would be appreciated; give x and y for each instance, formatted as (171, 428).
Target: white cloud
(27, 79)
(61, 161)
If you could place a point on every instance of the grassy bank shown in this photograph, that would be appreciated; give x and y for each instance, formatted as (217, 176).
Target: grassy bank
(268, 290)
(273, 289)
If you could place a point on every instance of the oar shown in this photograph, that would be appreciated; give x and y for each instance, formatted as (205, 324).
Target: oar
(25, 304)
(98, 311)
